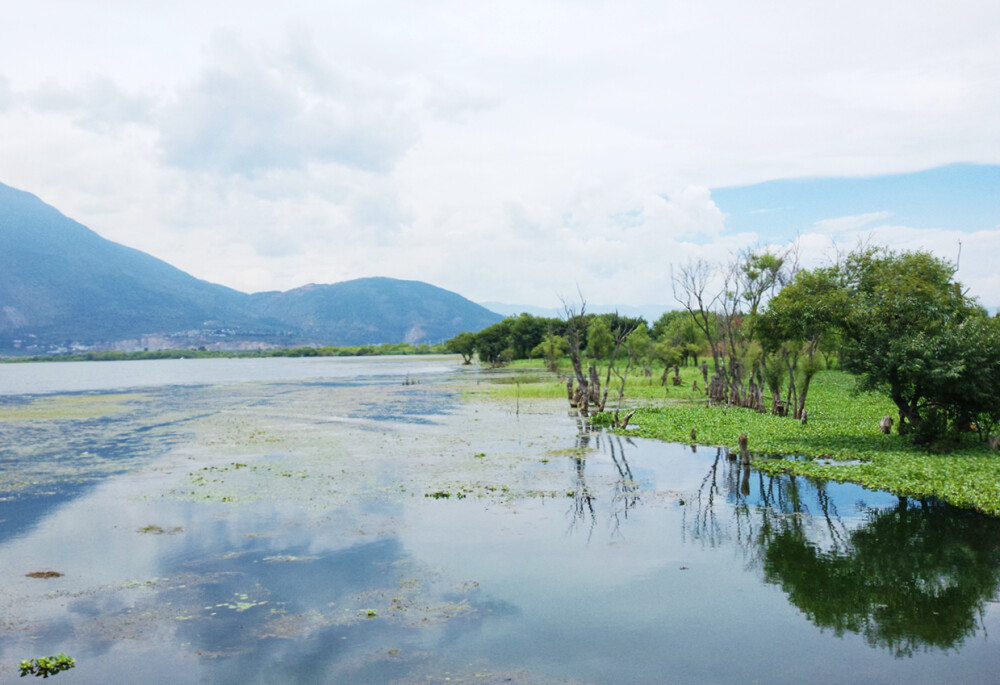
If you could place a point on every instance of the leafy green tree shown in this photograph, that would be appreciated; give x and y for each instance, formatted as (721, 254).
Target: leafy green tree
(792, 327)
(600, 342)
(903, 333)
(668, 322)
(668, 355)
(463, 344)
(492, 341)
(526, 333)
(639, 346)
(551, 349)
(906, 329)
(678, 329)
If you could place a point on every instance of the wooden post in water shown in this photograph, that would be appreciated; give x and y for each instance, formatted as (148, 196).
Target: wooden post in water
(744, 452)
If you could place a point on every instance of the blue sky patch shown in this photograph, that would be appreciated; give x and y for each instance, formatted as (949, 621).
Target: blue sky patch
(962, 197)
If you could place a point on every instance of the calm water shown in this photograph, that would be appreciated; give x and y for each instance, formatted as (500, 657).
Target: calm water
(275, 521)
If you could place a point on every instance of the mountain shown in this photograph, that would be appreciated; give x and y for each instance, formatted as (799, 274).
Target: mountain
(62, 285)
(372, 310)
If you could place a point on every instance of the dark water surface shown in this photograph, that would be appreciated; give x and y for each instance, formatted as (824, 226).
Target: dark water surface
(282, 527)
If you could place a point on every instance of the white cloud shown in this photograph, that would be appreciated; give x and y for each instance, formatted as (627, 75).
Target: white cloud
(99, 106)
(847, 224)
(6, 96)
(507, 151)
(250, 112)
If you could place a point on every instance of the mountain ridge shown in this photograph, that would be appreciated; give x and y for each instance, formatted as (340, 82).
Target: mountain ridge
(63, 286)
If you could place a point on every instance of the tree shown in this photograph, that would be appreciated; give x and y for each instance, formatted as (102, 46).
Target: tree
(526, 333)
(463, 344)
(576, 334)
(904, 335)
(690, 286)
(791, 329)
(492, 341)
(678, 330)
(551, 349)
(600, 342)
(605, 337)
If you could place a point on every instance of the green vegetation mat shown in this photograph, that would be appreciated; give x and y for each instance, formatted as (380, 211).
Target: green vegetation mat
(841, 440)
(842, 427)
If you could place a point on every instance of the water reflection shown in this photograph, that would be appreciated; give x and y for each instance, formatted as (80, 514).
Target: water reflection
(573, 554)
(915, 577)
(625, 490)
(911, 577)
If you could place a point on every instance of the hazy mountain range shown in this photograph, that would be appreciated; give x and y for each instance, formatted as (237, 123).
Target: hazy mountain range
(62, 286)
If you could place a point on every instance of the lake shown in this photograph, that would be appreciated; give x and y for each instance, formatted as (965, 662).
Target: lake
(376, 520)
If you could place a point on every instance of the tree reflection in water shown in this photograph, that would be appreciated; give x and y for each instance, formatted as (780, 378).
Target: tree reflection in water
(625, 492)
(583, 499)
(916, 576)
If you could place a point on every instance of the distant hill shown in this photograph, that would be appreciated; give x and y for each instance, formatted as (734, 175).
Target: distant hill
(374, 310)
(62, 286)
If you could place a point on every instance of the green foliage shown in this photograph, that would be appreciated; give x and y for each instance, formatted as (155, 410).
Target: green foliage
(901, 557)
(45, 666)
(463, 344)
(669, 322)
(667, 354)
(640, 345)
(525, 333)
(804, 310)
(904, 327)
(551, 349)
(516, 337)
(600, 341)
(912, 333)
(841, 441)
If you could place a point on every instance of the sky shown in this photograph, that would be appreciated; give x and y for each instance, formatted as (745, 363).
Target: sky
(519, 152)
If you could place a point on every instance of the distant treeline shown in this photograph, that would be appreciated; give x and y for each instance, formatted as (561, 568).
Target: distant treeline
(673, 338)
(202, 353)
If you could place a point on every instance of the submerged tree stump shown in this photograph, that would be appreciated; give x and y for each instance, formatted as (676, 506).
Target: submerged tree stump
(717, 389)
(595, 388)
(624, 422)
(885, 425)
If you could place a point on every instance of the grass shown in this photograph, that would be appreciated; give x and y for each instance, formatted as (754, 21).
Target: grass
(841, 440)
(529, 378)
(842, 427)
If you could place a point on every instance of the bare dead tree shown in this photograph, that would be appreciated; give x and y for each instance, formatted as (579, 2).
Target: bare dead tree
(576, 330)
(690, 284)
